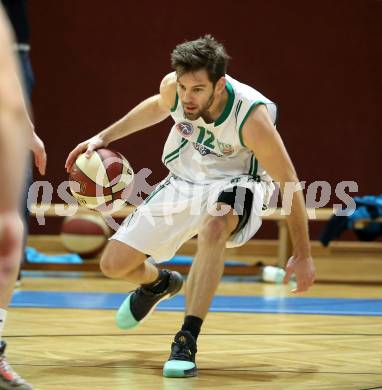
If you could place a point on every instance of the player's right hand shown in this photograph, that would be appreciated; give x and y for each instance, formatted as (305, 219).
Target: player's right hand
(38, 149)
(87, 146)
(303, 268)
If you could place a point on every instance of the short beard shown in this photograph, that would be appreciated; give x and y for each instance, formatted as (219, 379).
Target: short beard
(203, 112)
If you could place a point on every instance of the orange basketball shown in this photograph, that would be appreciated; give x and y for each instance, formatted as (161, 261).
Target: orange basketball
(85, 234)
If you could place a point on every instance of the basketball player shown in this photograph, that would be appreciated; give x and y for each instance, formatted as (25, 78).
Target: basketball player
(221, 152)
(16, 10)
(14, 132)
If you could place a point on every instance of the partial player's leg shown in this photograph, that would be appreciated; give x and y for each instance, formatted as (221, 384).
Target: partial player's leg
(149, 231)
(208, 264)
(204, 277)
(10, 251)
(121, 261)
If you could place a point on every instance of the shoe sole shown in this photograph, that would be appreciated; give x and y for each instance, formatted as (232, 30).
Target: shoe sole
(125, 318)
(178, 372)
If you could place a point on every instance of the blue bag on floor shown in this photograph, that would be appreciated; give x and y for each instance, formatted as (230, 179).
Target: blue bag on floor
(33, 256)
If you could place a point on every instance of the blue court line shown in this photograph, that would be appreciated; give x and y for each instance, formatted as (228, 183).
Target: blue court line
(230, 304)
(187, 260)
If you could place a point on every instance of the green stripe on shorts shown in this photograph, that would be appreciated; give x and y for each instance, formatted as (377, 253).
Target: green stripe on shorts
(166, 183)
(253, 166)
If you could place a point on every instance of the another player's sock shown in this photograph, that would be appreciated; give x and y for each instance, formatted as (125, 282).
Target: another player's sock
(159, 285)
(3, 314)
(193, 325)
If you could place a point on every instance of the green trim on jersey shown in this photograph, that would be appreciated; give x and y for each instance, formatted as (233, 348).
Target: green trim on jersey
(238, 107)
(175, 153)
(229, 104)
(173, 108)
(171, 159)
(253, 105)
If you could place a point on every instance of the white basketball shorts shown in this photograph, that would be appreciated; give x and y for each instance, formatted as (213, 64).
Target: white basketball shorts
(176, 209)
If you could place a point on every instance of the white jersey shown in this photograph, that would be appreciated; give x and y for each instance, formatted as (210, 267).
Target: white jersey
(202, 152)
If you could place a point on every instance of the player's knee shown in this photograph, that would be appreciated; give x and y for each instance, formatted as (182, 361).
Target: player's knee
(113, 268)
(119, 262)
(109, 267)
(9, 266)
(214, 230)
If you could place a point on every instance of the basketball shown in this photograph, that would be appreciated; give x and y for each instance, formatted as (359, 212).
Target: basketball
(85, 234)
(103, 181)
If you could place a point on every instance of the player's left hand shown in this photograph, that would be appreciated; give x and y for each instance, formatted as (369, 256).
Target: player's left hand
(303, 268)
(38, 149)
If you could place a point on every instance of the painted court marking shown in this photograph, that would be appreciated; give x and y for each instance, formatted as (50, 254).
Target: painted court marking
(230, 304)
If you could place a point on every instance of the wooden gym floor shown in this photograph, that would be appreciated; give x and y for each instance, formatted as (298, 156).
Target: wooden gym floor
(62, 348)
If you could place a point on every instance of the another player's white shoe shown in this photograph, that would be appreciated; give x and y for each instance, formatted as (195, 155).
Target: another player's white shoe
(9, 380)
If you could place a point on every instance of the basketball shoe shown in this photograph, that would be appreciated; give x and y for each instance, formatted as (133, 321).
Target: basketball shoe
(181, 363)
(140, 303)
(9, 380)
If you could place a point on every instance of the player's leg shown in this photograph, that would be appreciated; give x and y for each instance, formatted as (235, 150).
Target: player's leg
(204, 277)
(208, 264)
(205, 274)
(121, 261)
(11, 232)
(157, 228)
(125, 257)
(28, 78)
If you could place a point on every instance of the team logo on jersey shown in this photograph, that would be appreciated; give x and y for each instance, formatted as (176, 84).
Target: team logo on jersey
(203, 150)
(226, 149)
(185, 128)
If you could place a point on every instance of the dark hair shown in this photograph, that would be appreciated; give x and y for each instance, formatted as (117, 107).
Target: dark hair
(203, 53)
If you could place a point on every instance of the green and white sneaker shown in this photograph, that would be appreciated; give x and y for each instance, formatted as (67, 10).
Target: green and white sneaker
(142, 302)
(181, 363)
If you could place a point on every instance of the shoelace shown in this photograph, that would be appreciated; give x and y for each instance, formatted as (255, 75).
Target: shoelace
(144, 292)
(181, 351)
(6, 370)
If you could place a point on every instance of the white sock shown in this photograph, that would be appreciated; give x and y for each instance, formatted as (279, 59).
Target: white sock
(3, 315)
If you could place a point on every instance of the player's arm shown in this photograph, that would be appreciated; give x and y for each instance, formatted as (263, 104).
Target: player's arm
(148, 113)
(260, 135)
(13, 135)
(34, 143)
(13, 123)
